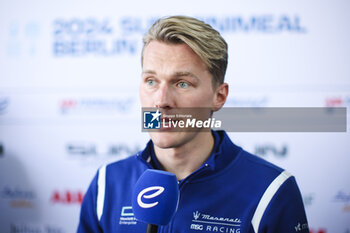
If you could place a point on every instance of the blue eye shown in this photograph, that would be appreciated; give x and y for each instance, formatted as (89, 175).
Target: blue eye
(151, 82)
(183, 85)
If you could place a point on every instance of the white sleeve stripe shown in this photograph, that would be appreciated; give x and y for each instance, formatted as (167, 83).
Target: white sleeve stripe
(266, 198)
(101, 186)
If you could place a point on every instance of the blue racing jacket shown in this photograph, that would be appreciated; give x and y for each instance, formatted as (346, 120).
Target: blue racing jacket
(232, 192)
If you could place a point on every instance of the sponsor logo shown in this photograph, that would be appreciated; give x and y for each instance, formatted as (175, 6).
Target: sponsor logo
(127, 216)
(141, 195)
(344, 198)
(30, 228)
(308, 199)
(151, 119)
(318, 231)
(18, 197)
(247, 102)
(270, 149)
(23, 38)
(4, 103)
(79, 37)
(265, 23)
(209, 223)
(86, 149)
(67, 197)
(91, 106)
(338, 101)
(301, 227)
(90, 37)
(127, 211)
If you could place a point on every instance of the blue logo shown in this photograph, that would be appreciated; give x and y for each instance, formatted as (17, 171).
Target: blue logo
(4, 102)
(342, 197)
(151, 119)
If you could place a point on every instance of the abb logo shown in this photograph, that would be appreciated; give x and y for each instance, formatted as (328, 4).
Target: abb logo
(339, 101)
(319, 231)
(67, 197)
(68, 103)
(334, 102)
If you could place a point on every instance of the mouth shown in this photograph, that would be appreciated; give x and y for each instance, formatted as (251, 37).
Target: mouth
(168, 124)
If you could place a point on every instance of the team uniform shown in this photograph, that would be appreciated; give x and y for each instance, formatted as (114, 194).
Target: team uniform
(232, 192)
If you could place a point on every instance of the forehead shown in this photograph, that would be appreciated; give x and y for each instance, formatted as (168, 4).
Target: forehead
(158, 53)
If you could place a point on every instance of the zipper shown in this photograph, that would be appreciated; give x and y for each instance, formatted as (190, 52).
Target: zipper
(144, 161)
(181, 187)
(194, 174)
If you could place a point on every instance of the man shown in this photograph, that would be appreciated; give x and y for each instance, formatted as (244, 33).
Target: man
(222, 187)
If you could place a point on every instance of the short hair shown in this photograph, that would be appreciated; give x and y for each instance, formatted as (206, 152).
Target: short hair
(205, 41)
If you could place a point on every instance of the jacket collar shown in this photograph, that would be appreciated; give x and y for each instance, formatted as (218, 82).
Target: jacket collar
(223, 153)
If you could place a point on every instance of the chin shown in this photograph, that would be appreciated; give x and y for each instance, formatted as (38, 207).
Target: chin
(166, 140)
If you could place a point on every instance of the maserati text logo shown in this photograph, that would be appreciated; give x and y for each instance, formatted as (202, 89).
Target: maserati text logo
(210, 223)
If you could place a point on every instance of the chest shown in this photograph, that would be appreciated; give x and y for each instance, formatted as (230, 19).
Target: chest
(212, 206)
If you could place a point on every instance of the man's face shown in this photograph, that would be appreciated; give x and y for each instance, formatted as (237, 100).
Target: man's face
(173, 76)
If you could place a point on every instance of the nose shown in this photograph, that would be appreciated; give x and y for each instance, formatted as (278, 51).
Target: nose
(164, 97)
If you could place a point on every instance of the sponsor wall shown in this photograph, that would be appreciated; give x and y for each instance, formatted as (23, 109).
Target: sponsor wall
(69, 97)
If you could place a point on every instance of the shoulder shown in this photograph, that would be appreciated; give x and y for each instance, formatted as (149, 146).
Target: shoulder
(125, 168)
(234, 161)
(259, 164)
(123, 164)
(259, 172)
(247, 161)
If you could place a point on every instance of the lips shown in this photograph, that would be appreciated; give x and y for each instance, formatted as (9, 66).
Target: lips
(169, 123)
(165, 124)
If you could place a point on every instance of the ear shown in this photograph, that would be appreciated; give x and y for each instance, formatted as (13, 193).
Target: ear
(220, 97)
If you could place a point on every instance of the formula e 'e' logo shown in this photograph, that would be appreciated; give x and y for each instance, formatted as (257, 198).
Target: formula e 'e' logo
(141, 195)
(151, 119)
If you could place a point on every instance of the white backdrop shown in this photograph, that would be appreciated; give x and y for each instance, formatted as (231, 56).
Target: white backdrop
(69, 74)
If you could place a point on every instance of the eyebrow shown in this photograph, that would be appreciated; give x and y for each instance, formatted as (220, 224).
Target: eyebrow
(185, 73)
(176, 74)
(148, 72)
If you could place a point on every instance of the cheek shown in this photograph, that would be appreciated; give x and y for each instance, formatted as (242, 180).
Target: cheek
(146, 98)
(143, 97)
(203, 98)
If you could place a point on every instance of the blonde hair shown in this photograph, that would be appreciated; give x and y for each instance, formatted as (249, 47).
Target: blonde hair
(205, 41)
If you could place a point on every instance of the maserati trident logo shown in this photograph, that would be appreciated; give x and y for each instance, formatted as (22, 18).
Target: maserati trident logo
(141, 195)
(196, 215)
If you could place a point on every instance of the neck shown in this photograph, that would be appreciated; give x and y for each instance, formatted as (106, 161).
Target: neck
(184, 160)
